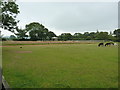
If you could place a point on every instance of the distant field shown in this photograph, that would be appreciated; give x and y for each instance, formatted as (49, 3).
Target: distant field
(14, 43)
(61, 66)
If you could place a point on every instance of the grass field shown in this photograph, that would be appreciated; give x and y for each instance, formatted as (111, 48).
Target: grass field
(61, 66)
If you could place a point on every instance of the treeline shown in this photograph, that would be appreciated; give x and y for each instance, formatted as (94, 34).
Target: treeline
(89, 36)
(36, 31)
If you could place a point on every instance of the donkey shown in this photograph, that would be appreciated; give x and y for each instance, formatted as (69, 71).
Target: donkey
(100, 44)
(108, 44)
(112, 43)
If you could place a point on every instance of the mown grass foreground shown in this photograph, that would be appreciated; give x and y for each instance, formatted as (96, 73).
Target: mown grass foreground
(61, 66)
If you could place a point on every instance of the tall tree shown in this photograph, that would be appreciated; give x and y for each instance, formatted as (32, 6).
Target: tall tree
(117, 34)
(9, 11)
(102, 36)
(51, 34)
(37, 31)
(12, 37)
(21, 33)
(86, 35)
(77, 36)
(92, 35)
(65, 36)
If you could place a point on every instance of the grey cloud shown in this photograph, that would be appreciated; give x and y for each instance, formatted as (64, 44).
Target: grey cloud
(86, 16)
(71, 17)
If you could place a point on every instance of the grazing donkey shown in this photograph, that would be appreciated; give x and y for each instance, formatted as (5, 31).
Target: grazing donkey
(100, 44)
(112, 43)
(108, 44)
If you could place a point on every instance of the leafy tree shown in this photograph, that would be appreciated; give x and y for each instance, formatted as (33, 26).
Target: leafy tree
(85, 35)
(37, 31)
(51, 34)
(102, 36)
(117, 34)
(92, 35)
(21, 33)
(9, 11)
(12, 37)
(78, 36)
(110, 37)
(65, 36)
(45, 33)
(88, 38)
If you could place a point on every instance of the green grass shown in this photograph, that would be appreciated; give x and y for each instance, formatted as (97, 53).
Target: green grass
(61, 66)
(16, 43)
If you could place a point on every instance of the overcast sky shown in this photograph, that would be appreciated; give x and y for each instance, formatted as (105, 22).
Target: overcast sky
(63, 17)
